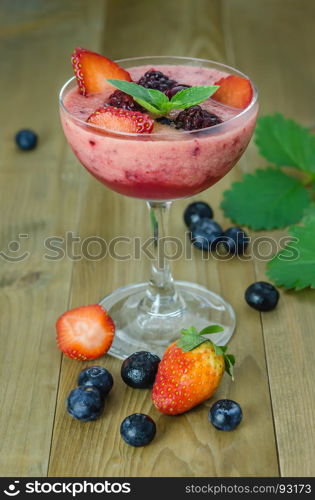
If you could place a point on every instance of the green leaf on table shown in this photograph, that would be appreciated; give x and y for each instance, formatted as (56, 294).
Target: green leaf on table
(266, 199)
(294, 266)
(285, 142)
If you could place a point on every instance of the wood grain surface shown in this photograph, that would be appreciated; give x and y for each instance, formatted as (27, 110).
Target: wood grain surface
(46, 192)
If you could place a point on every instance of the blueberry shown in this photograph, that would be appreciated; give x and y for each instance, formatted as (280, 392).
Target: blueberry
(196, 211)
(262, 296)
(85, 403)
(26, 139)
(138, 429)
(205, 234)
(225, 414)
(96, 376)
(235, 240)
(164, 121)
(139, 370)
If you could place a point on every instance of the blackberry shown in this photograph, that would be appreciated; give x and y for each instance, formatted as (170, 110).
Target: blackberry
(156, 80)
(195, 117)
(121, 100)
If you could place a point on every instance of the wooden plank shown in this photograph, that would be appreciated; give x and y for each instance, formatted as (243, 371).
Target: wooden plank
(40, 197)
(285, 74)
(187, 442)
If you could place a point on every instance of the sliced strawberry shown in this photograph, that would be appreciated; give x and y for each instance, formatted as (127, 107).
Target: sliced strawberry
(92, 70)
(122, 120)
(234, 91)
(85, 332)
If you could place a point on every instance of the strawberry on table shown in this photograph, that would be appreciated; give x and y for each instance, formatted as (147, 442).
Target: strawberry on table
(92, 71)
(122, 120)
(190, 371)
(85, 332)
(235, 91)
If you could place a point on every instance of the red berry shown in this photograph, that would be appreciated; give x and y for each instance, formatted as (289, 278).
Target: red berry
(85, 332)
(234, 91)
(92, 71)
(122, 120)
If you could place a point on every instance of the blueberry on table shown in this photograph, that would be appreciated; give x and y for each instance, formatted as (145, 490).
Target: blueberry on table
(225, 415)
(139, 369)
(196, 211)
(235, 240)
(96, 376)
(262, 296)
(85, 403)
(26, 139)
(205, 234)
(138, 429)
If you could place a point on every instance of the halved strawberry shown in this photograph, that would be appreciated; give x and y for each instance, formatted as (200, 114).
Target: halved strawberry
(85, 332)
(92, 70)
(122, 120)
(234, 91)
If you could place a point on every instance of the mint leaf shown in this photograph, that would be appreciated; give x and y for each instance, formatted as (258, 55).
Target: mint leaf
(267, 199)
(143, 96)
(156, 102)
(294, 266)
(193, 96)
(285, 143)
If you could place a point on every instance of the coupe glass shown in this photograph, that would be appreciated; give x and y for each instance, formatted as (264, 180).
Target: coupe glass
(161, 168)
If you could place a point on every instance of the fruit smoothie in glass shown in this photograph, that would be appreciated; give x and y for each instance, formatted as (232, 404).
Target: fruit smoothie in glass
(160, 129)
(168, 163)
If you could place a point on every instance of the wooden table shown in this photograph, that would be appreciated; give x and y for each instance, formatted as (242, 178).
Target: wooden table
(47, 193)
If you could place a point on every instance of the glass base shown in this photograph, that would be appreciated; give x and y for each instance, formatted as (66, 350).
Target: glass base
(139, 330)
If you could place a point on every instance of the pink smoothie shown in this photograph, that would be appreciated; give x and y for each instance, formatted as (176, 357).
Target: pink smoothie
(169, 163)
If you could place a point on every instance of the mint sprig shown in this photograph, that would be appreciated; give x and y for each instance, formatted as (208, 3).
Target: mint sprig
(157, 102)
(191, 339)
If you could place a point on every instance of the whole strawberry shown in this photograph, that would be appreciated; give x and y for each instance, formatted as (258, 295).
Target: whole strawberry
(190, 371)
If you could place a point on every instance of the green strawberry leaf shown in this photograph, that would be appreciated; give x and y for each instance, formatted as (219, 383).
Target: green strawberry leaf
(190, 342)
(285, 143)
(220, 349)
(294, 266)
(229, 361)
(266, 199)
(157, 102)
(211, 329)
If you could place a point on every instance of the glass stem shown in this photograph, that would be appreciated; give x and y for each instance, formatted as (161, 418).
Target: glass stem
(161, 296)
